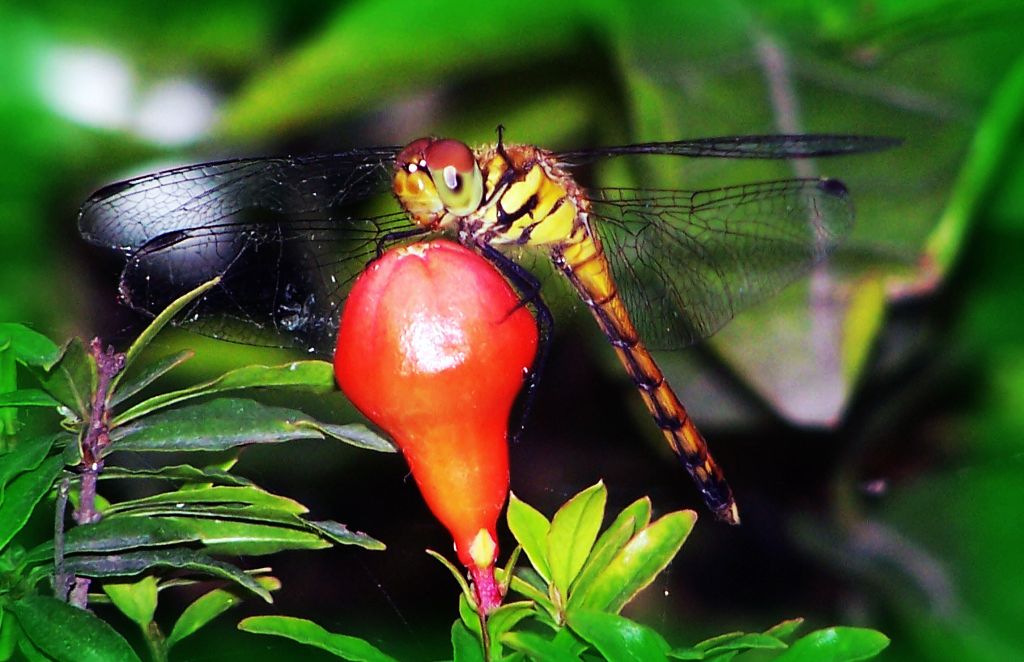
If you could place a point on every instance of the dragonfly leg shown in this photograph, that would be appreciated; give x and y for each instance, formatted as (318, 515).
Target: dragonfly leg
(529, 291)
(392, 237)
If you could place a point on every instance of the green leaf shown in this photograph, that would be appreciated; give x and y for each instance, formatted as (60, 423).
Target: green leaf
(733, 642)
(209, 606)
(536, 647)
(530, 529)
(134, 563)
(9, 634)
(837, 644)
(340, 533)
(617, 638)
(67, 633)
(27, 397)
(136, 600)
(214, 426)
(158, 323)
(311, 634)
(632, 519)
(531, 591)
(358, 435)
(217, 494)
(460, 579)
(231, 538)
(315, 375)
(785, 629)
(637, 564)
(72, 379)
(30, 347)
(129, 387)
(177, 472)
(22, 495)
(28, 455)
(572, 534)
(465, 646)
(507, 616)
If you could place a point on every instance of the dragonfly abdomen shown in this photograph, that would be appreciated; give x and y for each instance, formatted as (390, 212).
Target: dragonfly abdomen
(584, 263)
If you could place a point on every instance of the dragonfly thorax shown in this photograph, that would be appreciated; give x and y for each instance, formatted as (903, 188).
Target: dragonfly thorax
(501, 194)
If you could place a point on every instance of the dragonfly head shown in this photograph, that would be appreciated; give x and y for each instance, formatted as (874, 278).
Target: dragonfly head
(437, 181)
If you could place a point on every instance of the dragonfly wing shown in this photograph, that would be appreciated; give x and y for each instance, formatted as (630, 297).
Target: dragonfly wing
(126, 215)
(743, 147)
(283, 280)
(286, 235)
(685, 262)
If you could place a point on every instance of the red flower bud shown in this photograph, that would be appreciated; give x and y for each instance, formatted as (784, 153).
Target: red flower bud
(433, 347)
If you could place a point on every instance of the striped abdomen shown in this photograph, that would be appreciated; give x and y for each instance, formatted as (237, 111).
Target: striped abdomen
(584, 263)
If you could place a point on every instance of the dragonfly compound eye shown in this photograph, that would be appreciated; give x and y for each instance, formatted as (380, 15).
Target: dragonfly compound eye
(456, 176)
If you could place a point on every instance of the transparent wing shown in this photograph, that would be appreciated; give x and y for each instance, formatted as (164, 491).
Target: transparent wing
(685, 262)
(126, 215)
(287, 236)
(743, 147)
(283, 281)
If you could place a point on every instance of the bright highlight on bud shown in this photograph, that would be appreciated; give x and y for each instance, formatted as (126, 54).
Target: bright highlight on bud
(433, 347)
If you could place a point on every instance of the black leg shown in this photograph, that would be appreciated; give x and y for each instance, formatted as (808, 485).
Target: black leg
(529, 291)
(392, 237)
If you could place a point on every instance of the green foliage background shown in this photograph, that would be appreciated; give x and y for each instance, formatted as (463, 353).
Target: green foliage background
(902, 516)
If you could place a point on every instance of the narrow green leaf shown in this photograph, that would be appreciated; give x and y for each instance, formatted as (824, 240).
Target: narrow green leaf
(358, 435)
(136, 600)
(213, 426)
(315, 375)
(460, 579)
(30, 347)
(536, 647)
(160, 321)
(639, 562)
(311, 634)
(733, 642)
(67, 633)
(209, 606)
(611, 543)
(9, 634)
(231, 538)
(130, 386)
(617, 638)
(507, 616)
(340, 533)
(465, 646)
(72, 379)
(632, 519)
(218, 494)
(23, 493)
(530, 529)
(133, 563)
(177, 472)
(785, 629)
(27, 397)
(29, 454)
(117, 535)
(530, 591)
(572, 534)
(31, 652)
(837, 644)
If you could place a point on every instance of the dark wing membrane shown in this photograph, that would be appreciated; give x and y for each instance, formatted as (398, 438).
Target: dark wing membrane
(743, 147)
(685, 262)
(283, 279)
(126, 215)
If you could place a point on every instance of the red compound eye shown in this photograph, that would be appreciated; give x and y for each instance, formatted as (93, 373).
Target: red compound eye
(443, 153)
(414, 152)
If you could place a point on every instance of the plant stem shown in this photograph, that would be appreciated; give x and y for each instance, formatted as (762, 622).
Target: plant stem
(61, 580)
(156, 643)
(108, 365)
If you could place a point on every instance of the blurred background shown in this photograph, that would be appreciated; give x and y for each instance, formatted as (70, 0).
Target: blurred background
(876, 449)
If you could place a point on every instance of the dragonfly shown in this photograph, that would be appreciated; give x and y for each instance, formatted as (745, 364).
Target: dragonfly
(658, 268)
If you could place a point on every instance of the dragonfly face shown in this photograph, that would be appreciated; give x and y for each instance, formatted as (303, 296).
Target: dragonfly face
(669, 267)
